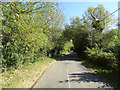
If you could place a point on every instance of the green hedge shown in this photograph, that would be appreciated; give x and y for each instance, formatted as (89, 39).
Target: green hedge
(104, 59)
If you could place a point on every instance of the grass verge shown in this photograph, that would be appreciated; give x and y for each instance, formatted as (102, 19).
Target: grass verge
(108, 75)
(25, 76)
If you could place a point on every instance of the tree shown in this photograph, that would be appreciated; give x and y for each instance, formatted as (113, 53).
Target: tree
(79, 33)
(29, 31)
(98, 17)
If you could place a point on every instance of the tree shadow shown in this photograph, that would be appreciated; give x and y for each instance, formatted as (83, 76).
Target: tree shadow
(84, 77)
(71, 57)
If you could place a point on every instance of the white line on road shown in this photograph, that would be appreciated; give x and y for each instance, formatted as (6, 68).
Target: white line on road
(68, 77)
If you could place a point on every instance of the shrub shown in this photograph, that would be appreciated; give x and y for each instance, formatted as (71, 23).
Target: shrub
(30, 34)
(104, 59)
(81, 41)
(117, 47)
(67, 47)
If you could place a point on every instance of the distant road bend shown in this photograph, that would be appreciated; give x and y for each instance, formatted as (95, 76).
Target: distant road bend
(69, 73)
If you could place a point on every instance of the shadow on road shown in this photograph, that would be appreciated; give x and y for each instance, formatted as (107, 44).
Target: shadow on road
(83, 77)
(71, 57)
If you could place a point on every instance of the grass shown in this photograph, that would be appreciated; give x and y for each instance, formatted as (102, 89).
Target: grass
(108, 75)
(25, 76)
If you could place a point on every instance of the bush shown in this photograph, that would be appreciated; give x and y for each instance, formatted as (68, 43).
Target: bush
(25, 35)
(67, 47)
(81, 41)
(104, 59)
(117, 47)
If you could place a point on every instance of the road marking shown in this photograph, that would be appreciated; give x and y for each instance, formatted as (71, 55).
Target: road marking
(68, 77)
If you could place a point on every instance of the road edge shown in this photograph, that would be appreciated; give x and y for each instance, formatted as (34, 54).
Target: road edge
(42, 72)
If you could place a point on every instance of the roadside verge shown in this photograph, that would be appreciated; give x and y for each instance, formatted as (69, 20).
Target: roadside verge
(42, 72)
(26, 75)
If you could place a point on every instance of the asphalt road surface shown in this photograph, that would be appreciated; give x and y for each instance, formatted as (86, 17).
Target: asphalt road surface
(69, 73)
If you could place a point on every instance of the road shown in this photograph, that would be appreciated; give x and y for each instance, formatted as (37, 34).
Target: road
(69, 73)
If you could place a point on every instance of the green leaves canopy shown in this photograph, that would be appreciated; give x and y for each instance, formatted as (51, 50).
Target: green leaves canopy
(29, 31)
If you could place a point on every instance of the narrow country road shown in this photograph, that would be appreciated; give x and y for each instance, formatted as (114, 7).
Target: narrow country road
(69, 73)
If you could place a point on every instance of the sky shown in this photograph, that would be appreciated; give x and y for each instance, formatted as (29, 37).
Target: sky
(72, 9)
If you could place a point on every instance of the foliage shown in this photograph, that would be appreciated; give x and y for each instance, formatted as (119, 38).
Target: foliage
(108, 38)
(30, 30)
(117, 48)
(67, 47)
(81, 41)
(78, 32)
(100, 47)
(68, 33)
(98, 17)
(105, 59)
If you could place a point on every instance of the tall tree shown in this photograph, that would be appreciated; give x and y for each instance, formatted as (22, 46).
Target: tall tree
(28, 30)
(98, 17)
